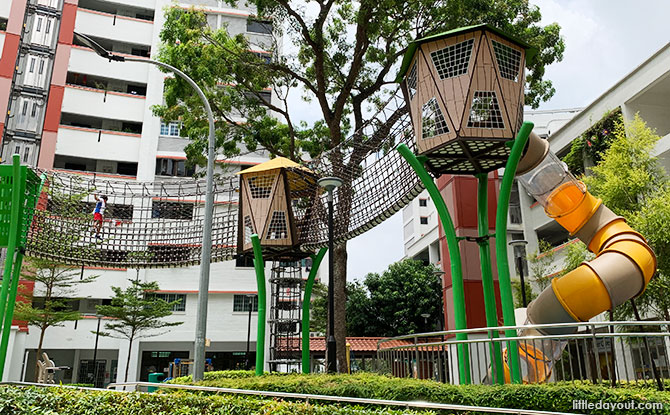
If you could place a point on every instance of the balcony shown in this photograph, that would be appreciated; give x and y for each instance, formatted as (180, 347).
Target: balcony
(92, 143)
(103, 104)
(111, 26)
(85, 61)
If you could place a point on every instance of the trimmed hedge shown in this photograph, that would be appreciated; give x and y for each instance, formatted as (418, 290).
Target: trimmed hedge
(549, 397)
(68, 401)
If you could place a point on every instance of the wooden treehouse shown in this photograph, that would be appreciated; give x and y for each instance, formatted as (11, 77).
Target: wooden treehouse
(274, 200)
(465, 91)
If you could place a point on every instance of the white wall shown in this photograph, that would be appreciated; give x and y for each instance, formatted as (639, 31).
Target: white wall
(123, 29)
(84, 101)
(90, 143)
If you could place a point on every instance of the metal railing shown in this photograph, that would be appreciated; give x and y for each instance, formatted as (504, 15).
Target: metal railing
(305, 397)
(606, 352)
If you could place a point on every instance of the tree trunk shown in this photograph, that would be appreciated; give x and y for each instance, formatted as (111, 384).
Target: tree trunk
(130, 349)
(340, 283)
(39, 352)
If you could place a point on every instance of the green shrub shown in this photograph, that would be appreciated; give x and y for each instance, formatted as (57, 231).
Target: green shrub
(550, 397)
(68, 401)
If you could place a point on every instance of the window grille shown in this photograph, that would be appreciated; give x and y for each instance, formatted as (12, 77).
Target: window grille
(277, 228)
(485, 111)
(181, 306)
(433, 123)
(242, 303)
(508, 60)
(411, 81)
(453, 60)
(261, 185)
(248, 230)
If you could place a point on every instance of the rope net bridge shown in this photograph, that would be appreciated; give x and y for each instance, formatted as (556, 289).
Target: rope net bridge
(160, 224)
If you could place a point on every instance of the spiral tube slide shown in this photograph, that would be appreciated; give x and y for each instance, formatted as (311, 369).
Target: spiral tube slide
(624, 262)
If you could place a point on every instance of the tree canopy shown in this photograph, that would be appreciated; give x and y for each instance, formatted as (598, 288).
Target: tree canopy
(342, 58)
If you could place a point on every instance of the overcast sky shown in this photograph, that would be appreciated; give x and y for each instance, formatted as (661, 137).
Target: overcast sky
(605, 40)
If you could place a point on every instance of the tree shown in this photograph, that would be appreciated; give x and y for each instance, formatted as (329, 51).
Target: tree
(633, 184)
(541, 264)
(345, 59)
(392, 303)
(135, 313)
(54, 306)
(318, 315)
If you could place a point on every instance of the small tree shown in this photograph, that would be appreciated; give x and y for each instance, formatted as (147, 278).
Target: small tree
(135, 313)
(541, 264)
(52, 308)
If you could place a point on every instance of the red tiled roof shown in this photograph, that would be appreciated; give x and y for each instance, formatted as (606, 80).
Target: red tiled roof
(358, 344)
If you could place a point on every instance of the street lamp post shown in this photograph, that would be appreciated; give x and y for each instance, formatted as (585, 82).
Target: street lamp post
(250, 297)
(330, 183)
(519, 266)
(425, 319)
(95, 354)
(203, 286)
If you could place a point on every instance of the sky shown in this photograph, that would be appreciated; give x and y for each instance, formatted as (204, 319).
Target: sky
(605, 40)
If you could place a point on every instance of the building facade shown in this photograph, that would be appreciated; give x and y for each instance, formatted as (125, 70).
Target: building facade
(68, 109)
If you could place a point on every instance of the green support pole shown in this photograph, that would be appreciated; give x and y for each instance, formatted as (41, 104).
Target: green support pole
(454, 259)
(487, 274)
(9, 315)
(316, 262)
(15, 214)
(501, 247)
(260, 282)
(14, 258)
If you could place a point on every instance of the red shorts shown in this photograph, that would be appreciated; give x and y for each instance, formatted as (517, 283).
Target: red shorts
(97, 217)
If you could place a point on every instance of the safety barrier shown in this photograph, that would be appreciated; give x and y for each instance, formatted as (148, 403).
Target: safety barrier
(597, 352)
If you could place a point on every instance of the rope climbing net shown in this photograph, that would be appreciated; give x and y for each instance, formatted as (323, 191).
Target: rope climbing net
(160, 224)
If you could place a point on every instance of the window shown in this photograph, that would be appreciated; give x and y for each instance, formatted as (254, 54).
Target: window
(259, 26)
(128, 169)
(508, 60)
(181, 306)
(32, 65)
(172, 210)
(48, 26)
(277, 228)
(423, 202)
(140, 52)
(261, 185)
(39, 24)
(244, 261)
(242, 303)
(411, 81)
(171, 129)
(485, 111)
(262, 96)
(41, 70)
(424, 220)
(248, 229)
(453, 60)
(26, 154)
(25, 108)
(266, 57)
(175, 168)
(433, 123)
(34, 111)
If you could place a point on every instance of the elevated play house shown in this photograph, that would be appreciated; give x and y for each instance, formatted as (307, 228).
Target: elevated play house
(273, 201)
(465, 90)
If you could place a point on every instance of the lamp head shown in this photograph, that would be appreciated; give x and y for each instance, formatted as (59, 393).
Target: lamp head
(97, 48)
(518, 242)
(330, 183)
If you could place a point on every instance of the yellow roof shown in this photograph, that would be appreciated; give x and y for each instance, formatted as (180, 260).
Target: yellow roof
(275, 163)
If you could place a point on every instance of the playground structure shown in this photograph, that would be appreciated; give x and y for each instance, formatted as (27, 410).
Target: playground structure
(464, 94)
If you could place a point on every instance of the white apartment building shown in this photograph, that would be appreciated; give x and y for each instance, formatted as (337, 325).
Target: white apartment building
(89, 116)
